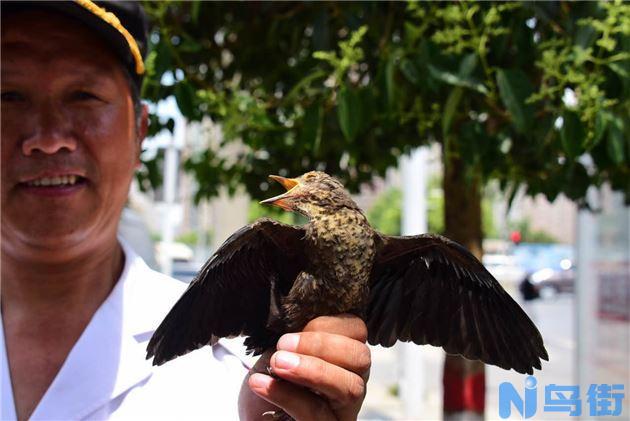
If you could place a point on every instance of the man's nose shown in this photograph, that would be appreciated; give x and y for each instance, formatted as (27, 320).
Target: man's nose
(52, 132)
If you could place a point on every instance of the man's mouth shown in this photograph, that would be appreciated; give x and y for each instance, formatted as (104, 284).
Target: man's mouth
(54, 185)
(57, 181)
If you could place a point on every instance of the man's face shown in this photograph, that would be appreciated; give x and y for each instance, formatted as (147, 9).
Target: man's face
(69, 139)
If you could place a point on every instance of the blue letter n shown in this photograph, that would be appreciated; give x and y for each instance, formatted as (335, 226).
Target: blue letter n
(508, 396)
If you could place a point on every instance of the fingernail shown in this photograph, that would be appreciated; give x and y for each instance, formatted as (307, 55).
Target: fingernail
(260, 381)
(286, 360)
(289, 342)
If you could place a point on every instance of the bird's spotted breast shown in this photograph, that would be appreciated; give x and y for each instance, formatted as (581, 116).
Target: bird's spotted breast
(343, 252)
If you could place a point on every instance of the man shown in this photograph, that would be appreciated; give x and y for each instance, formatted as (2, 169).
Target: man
(78, 307)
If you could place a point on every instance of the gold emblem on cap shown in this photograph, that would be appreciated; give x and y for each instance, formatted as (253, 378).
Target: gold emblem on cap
(113, 20)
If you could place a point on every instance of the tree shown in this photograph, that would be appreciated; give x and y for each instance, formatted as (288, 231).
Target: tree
(534, 95)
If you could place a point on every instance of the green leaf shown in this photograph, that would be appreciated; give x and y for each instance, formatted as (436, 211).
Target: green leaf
(303, 84)
(576, 182)
(312, 129)
(585, 36)
(470, 143)
(457, 80)
(412, 32)
(466, 67)
(615, 144)
(572, 135)
(514, 89)
(367, 108)
(185, 98)
(619, 69)
(607, 43)
(190, 45)
(328, 56)
(468, 64)
(194, 11)
(163, 60)
(348, 112)
(450, 108)
(408, 68)
(601, 123)
(390, 83)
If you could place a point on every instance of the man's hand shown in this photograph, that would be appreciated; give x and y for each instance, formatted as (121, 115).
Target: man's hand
(324, 370)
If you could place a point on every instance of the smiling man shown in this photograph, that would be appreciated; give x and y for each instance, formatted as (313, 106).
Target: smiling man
(78, 306)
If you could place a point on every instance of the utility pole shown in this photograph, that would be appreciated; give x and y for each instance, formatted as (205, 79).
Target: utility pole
(171, 210)
(414, 221)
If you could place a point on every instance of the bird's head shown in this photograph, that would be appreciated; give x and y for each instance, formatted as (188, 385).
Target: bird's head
(312, 194)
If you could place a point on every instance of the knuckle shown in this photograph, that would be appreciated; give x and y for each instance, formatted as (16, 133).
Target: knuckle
(319, 372)
(362, 359)
(317, 324)
(355, 390)
(362, 331)
(313, 343)
(313, 371)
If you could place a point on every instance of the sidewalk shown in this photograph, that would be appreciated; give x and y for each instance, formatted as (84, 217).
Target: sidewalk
(382, 402)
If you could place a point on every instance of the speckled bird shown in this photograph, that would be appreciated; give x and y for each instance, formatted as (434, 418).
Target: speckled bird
(270, 278)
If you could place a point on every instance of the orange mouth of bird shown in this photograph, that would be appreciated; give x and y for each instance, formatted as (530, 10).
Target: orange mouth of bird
(282, 200)
(287, 183)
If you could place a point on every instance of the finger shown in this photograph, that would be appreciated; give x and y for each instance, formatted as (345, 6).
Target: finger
(336, 349)
(296, 401)
(342, 387)
(342, 324)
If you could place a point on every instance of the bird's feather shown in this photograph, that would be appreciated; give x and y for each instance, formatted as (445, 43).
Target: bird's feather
(431, 290)
(232, 292)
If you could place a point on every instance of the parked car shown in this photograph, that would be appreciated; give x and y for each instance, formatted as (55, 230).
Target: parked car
(505, 268)
(185, 271)
(179, 252)
(548, 282)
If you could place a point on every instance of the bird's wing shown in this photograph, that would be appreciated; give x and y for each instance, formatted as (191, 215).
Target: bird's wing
(232, 292)
(431, 290)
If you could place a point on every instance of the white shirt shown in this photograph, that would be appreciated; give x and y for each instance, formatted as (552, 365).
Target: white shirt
(106, 375)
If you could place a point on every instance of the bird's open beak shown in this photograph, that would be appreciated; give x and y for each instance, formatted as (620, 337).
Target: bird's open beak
(282, 200)
(287, 183)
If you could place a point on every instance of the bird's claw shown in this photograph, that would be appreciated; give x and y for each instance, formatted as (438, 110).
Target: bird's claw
(270, 372)
(278, 416)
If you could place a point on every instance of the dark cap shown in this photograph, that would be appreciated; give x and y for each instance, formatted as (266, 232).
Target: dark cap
(121, 24)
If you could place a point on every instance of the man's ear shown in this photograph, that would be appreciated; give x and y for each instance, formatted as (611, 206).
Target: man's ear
(143, 128)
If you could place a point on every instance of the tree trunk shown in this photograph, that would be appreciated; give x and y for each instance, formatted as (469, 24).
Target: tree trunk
(463, 380)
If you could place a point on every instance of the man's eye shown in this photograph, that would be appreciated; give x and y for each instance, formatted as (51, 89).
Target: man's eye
(85, 96)
(12, 96)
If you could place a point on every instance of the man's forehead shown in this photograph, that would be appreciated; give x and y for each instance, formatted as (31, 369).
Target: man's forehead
(19, 55)
(27, 24)
(49, 38)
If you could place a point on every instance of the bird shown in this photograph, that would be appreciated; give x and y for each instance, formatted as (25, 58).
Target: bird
(270, 278)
